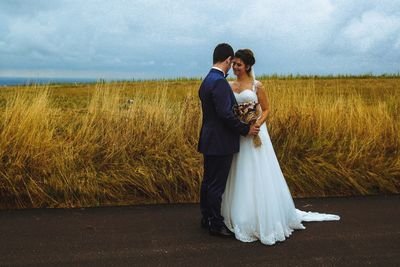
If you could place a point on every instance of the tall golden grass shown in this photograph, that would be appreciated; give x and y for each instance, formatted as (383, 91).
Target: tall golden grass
(84, 145)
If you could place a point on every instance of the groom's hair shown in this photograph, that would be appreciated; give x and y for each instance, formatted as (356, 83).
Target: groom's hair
(222, 52)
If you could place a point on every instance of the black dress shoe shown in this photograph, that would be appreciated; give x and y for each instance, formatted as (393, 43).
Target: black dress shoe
(204, 223)
(221, 231)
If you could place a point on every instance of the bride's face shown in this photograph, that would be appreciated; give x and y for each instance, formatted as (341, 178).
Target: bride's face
(238, 66)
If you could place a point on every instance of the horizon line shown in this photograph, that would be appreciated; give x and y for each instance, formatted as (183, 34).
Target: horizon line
(273, 75)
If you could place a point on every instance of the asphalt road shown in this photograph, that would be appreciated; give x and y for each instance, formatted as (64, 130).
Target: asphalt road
(368, 234)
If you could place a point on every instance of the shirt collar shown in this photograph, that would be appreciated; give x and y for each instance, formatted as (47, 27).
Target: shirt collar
(216, 68)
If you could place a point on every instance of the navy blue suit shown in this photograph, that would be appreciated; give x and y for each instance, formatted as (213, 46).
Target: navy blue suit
(219, 140)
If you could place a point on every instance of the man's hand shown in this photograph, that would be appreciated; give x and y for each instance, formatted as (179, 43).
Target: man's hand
(254, 130)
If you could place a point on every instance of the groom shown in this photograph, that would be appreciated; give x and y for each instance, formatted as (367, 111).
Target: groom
(219, 138)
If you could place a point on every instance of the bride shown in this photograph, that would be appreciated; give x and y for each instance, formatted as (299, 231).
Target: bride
(257, 204)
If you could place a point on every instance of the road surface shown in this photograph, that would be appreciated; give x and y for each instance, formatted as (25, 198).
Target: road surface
(368, 234)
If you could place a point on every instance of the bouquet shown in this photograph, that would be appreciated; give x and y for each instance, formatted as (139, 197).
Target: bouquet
(248, 113)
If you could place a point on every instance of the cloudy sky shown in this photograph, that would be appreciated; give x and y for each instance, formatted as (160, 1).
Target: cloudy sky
(162, 38)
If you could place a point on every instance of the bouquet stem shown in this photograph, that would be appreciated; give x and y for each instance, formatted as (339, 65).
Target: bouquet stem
(257, 141)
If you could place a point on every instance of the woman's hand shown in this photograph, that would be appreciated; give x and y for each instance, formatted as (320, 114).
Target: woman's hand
(254, 130)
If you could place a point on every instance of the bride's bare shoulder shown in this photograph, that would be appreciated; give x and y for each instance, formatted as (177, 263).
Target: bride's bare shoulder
(259, 86)
(258, 83)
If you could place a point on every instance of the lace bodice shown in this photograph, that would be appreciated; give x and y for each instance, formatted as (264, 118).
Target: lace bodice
(247, 95)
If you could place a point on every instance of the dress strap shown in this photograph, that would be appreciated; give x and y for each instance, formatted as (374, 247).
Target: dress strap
(254, 86)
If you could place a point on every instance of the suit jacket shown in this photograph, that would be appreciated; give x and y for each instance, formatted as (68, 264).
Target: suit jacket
(221, 129)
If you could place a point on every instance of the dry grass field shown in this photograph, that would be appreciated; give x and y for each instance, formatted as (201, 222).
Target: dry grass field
(85, 145)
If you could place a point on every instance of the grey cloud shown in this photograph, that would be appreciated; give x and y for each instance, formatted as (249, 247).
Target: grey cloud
(176, 38)
(366, 40)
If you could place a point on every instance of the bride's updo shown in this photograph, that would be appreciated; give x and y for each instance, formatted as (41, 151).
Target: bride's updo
(247, 56)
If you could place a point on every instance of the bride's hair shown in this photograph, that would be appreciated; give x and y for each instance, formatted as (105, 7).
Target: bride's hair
(247, 56)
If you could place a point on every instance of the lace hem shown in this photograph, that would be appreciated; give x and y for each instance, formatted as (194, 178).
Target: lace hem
(251, 234)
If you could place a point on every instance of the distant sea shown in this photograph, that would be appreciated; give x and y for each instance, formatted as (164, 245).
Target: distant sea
(4, 81)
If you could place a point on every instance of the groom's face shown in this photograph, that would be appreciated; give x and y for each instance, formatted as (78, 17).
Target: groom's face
(229, 63)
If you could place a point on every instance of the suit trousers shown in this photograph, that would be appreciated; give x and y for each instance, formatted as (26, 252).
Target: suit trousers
(216, 171)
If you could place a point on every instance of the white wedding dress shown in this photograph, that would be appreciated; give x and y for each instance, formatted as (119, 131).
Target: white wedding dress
(257, 204)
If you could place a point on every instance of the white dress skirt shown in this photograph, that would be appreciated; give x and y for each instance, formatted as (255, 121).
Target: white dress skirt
(257, 204)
